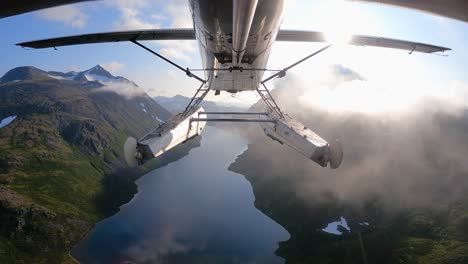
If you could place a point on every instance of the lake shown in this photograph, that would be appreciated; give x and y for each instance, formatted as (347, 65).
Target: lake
(193, 210)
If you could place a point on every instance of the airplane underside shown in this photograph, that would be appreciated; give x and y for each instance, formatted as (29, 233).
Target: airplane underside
(237, 78)
(275, 124)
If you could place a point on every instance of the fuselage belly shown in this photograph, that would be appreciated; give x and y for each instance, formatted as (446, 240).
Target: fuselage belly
(236, 34)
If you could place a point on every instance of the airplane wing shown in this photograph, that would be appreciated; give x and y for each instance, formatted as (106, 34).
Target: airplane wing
(189, 34)
(151, 34)
(457, 9)
(360, 40)
(16, 7)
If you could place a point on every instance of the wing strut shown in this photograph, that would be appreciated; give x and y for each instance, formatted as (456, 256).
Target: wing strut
(269, 100)
(265, 93)
(195, 101)
(282, 73)
(187, 71)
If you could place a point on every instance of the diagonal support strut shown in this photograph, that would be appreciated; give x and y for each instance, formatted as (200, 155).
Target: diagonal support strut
(282, 73)
(187, 71)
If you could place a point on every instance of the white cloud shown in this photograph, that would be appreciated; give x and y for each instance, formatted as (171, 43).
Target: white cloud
(130, 15)
(70, 15)
(345, 90)
(129, 3)
(74, 68)
(178, 50)
(113, 67)
(131, 19)
(179, 15)
(158, 17)
(136, 15)
(126, 90)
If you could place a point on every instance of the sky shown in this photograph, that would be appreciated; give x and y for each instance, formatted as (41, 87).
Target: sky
(388, 75)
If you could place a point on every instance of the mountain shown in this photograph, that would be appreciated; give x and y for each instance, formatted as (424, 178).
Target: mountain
(61, 168)
(94, 74)
(178, 103)
(23, 74)
(97, 73)
(401, 187)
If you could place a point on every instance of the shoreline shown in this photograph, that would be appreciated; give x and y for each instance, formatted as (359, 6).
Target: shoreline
(72, 258)
(179, 152)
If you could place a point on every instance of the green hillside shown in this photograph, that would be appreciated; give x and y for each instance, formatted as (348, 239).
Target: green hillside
(61, 168)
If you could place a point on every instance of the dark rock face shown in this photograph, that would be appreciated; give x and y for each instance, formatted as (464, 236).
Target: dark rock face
(80, 78)
(23, 74)
(83, 135)
(98, 70)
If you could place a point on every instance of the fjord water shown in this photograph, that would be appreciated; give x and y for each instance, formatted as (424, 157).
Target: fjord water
(191, 211)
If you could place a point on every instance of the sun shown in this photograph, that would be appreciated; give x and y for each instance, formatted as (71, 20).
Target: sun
(339, 20)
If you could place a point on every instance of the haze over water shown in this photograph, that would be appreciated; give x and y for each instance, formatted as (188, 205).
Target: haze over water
(190, 211)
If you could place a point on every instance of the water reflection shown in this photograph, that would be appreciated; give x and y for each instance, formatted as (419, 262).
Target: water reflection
(190, 211)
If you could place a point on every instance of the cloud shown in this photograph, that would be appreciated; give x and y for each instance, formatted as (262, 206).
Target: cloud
(158, 17)
(404, 159)
(74, 68)
(70, 15)
(179, 14)
(113, 67)
(127, 90)
(342, 72)
(339, 74)
(140, 15)
(130, 19)
(131, 16)
(179, 50)
(155, 250)
(128, 3)
(340, 88)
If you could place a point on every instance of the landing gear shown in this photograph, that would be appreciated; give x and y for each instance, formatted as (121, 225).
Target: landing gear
(269, 101)
(275, 123)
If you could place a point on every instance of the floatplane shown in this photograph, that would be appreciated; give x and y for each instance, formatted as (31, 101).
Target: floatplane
(235, 38)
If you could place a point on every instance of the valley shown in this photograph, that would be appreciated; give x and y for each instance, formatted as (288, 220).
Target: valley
(61, 168)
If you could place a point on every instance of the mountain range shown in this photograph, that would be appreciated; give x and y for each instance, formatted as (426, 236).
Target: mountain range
(94, 74)
(61, 165)
(177, 104)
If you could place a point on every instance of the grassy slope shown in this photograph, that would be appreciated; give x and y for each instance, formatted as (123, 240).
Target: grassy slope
(409, 236)
(60, 157)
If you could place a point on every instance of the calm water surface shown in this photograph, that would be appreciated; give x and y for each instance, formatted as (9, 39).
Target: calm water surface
(190, 211)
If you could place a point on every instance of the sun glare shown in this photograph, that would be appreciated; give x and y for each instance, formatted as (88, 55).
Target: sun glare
(338, 37)
(339, 20)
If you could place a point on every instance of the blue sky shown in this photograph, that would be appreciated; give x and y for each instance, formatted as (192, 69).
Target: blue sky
(158, 78)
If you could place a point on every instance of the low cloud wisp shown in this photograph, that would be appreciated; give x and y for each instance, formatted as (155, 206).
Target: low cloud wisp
(415, 156)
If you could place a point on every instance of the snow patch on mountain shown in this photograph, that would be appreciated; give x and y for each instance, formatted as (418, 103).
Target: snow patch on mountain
(6, 121)
(332, 228)
(157, 118)
(58, 77)
(143, 107)
(99, 78)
